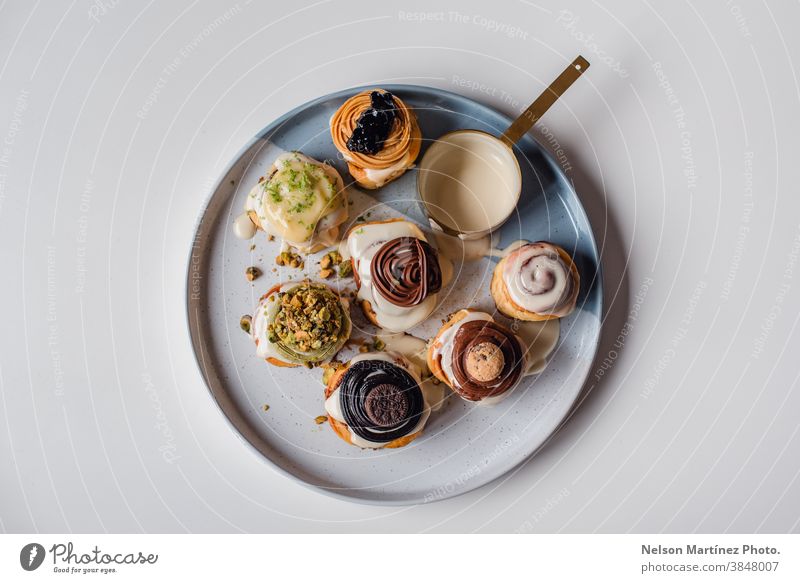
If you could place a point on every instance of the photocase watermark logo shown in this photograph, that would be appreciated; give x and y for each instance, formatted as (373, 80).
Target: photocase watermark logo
(31, 556)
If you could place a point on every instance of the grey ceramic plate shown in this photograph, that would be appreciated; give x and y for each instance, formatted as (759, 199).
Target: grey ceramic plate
(464, 447)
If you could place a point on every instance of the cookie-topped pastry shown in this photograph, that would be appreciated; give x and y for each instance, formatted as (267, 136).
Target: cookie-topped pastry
(478, 358)
(538, 281)
(398, 273)
(376, 401)
(377, 135)
(300, 323)
(301, 200)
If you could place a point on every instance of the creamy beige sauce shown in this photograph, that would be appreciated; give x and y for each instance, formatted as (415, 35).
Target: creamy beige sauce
(469, 181)
(540, 339)
(461, 250)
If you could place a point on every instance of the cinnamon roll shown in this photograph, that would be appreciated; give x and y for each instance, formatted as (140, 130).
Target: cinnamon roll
(538, 281)
(301, 200)
(398, 273)
(376, 401)
(478, 358)
(377, 135)
(300, 323)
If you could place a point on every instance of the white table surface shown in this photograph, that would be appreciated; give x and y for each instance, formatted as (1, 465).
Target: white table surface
(683, 142)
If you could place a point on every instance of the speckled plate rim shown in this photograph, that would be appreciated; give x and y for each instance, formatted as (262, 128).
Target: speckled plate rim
(215, 386)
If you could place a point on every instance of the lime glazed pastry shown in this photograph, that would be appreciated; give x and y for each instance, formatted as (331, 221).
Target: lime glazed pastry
(376, 401)
(300, 324)
(398, 273)
(478, 358)
(301, 200)
(538, 281)
(377, 135)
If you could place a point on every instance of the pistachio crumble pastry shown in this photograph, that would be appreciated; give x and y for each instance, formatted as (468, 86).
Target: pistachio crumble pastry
(300, 324)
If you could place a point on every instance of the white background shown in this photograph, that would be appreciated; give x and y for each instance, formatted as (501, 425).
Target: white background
(683, 139)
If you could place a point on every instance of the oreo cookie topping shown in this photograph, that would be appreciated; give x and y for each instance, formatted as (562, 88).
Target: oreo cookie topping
(405, 271)
(380, 400)
(479, 369)
(374, 124)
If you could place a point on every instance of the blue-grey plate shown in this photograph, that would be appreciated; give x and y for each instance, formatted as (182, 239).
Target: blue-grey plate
(464, 446)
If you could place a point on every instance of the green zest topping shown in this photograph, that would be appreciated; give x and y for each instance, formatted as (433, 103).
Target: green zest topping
(296, 185)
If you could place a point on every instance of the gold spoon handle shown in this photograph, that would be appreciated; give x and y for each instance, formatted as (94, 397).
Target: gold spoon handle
(538, 108)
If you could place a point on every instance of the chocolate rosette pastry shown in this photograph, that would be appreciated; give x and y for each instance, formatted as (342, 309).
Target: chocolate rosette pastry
(377, 135)
(405, 271)
(375, 401)
(398, 273)
(538, 281)
(478, 358)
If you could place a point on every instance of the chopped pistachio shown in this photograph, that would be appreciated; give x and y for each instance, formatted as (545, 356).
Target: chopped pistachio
(325, 273)
(320, 419)
(329, 368)
(252, 273)
(289, 259)
(245, 322)
(379, 344)
(265, 408)
(309, 317)
(345, 269)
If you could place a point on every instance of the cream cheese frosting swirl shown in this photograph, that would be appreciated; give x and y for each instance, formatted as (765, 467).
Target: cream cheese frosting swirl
(405, 271)
(538, 279)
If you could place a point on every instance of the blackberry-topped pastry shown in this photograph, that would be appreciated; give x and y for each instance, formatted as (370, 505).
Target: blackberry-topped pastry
(538, 281)
(398, 273)
(478, 358)
(301, 200)
(300, 323)
(377, 135)
(375, 401)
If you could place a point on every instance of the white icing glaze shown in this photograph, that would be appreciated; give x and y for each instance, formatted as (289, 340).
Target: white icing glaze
(243, 227)
(538, 279)
(333, 403)
(381, 175)
(362, 244)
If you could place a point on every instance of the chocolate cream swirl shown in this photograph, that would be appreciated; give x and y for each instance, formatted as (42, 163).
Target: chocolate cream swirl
(405, 271)
(380, 400)
(475, 335)
(539, 279)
